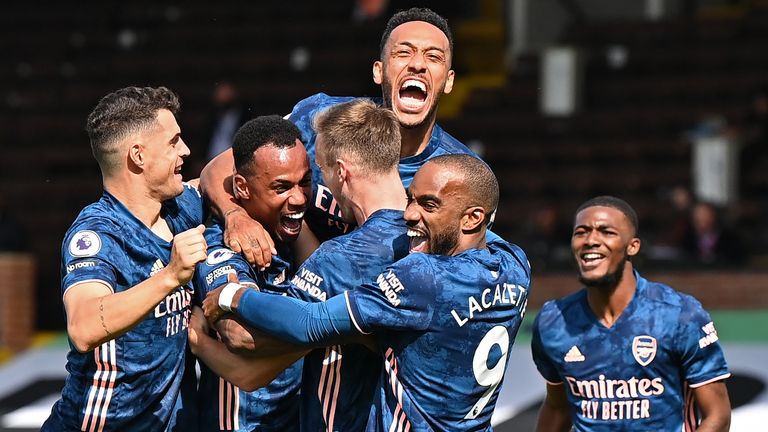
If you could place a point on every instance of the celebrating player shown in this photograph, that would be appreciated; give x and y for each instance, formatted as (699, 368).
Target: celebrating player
(444, 317)
(126, 263)
(414, 70)
(357, 149)
(625, 353)
(272, 183)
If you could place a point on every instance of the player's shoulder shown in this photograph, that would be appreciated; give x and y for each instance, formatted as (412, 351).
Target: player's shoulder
(669, 300)
(497, 244)
(663, 295)
(100, 217)
(187, 208)
(214, 234)
(448, 144)
(555, 311)
(416, 264)
(307, 107)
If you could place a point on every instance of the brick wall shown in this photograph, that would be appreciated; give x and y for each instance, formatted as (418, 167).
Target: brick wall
(17, 300)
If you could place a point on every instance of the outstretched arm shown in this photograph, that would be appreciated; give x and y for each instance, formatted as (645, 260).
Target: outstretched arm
(290, 319)
(553, 415)
(241, 233)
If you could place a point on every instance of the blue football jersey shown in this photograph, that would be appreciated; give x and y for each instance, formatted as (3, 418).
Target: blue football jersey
(339, 381)
(445, 325)
(637, 374)
(323, 214)
(223, 406)
(144, 379)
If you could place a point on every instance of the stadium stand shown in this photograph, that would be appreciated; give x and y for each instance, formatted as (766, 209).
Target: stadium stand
(628, 140)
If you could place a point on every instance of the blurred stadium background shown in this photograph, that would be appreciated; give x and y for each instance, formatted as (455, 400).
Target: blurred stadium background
(649, 100)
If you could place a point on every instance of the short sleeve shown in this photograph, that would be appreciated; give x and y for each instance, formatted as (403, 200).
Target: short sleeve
(302, 113)
(401, 298)
(543, 363)
(701, 356)
(92, 255)
(212, 273)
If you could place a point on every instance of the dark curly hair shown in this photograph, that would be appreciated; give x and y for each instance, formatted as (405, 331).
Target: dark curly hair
(415, 14)
(261, 131)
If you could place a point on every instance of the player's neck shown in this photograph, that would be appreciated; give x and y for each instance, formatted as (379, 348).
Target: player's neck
(471, 240)
(374, 194)
(608, 303)
(415, 140)
(137, 200)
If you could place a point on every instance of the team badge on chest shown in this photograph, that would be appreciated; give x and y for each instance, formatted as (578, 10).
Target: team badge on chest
(644, 349)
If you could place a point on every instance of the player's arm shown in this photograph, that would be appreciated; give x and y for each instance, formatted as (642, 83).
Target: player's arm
(287, 318)
(95, 314)
(715, 407)
(241, 233)
(246, 341)
(248, 373)
(553, 415)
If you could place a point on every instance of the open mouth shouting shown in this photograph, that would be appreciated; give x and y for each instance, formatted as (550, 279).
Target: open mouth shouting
(419, 242)
(412, 96)
(291, 222)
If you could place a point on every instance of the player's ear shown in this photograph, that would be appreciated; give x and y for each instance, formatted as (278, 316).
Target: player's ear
(378, 72)
(342, 170)
(449, 82)
(633, 247)
(240, 187)
(136, 154)
(473, 218)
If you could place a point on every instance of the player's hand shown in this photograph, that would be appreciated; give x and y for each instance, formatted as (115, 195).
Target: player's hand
(245, 235)
(189, 248)
(211, 303)
(198, 328)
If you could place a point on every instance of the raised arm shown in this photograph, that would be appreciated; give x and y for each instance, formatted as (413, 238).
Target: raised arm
(715, 407)
(95, 314)
(241, 233)
(553, 415)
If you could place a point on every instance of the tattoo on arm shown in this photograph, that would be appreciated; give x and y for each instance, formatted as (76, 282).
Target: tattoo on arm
(101, 315)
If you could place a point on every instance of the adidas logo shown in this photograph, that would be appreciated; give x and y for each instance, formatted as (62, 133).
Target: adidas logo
(156, 267)
(574, 355)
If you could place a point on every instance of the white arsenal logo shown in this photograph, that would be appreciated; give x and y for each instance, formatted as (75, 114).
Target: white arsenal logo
(644, 349)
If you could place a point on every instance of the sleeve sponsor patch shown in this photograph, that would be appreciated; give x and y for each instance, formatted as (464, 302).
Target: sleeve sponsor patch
(219, 256)
(85, 243)
(79, 265)
(390, 286)
(710, 335)
(217, 273)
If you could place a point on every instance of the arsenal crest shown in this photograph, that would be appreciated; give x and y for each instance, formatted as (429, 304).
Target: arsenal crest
(644, 349)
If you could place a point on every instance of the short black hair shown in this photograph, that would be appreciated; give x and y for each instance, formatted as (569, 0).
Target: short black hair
(416, 14)
(258, 132)
(478, 178)
(613, 202)
(121, 113)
